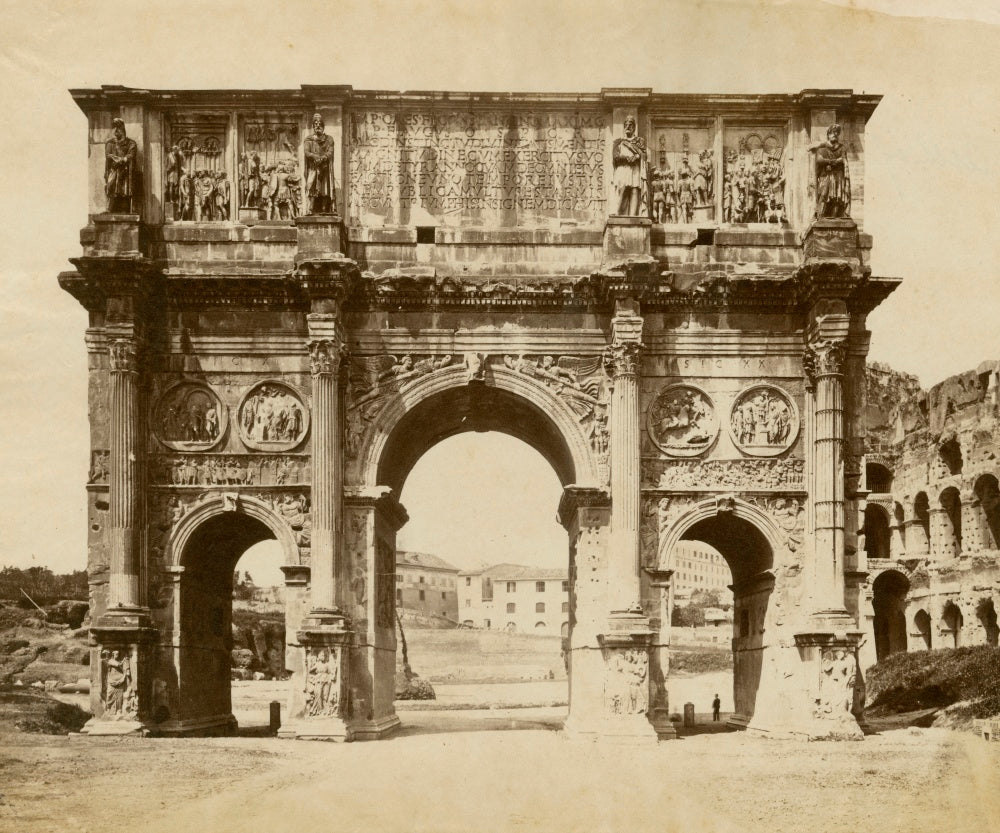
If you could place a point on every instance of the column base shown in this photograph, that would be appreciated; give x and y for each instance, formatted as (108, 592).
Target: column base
(378, 729)
(631, 730)
(332, 729)
(808, 730)
(216, 726)
(134, 728)
(664, 727)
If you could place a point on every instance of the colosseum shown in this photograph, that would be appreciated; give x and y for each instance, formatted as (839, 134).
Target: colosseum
(931, 529)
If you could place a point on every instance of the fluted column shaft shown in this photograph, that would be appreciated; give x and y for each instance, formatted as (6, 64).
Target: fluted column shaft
(124, 486)
(622, 361)
(325, 357)
(825, 360)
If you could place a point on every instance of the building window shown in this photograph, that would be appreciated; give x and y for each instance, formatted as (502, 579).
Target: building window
(399, 579)
(468, 581)
(399, 596)
(511, 607)
(565, 607)
(486, 623)
(565, 587)
(421, 579)
(539, 586)
(421, 595)
(540, 607)
(468, 602)
(444, 595)
(511, 586)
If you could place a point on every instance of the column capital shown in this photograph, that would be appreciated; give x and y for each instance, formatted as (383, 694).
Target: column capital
(823, 357)
(325, 356)
(621, 357)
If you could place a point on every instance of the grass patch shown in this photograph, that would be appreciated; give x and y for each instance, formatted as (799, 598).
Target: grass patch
(701, 661)
(937, 679)
(37, 713)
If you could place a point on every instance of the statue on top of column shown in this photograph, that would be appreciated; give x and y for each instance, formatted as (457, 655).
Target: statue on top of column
(629, 158)
(833, 177)
(320, 191)
(120, 171)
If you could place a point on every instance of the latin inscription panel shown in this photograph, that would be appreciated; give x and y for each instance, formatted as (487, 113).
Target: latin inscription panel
(489, 168)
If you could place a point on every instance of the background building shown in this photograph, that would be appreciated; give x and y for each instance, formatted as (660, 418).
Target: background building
(515, 598)
(698, 566)
(426, 584)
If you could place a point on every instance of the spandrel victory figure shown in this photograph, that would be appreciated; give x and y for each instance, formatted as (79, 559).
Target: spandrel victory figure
(120, 171)
(629, 158)
(320, 193)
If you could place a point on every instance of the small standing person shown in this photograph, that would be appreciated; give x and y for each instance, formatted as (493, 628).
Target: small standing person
(320, 191)
(119, 170)
(716, 705)
(629, 158)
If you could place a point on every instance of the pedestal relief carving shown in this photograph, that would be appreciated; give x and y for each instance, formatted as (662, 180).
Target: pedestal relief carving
(764, 421)
(273, 417)
(189, 416)
(682, 421)
(836, 684)
(322, 681)
(626, 690)
(754, 190)
(119, 698)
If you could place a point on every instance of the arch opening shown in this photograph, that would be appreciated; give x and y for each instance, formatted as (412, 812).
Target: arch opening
(951, 625)
(988, 493)
(986, 612)
(922, 623)
(889, 602)
(876, 531)
(750, 558)
(471, 407)
(878, 478)
(922, 513)
(204, 658)
(951, 502)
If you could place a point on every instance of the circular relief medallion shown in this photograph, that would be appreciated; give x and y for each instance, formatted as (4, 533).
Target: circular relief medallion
(189, 417)
(682, 421)
(272, 417)
(764, 421)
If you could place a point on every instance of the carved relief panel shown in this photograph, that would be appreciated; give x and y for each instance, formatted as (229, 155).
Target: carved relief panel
(682, 421)
(385, 584)
(754, 174)
(626, 690)
(682, 174)
(270, 179)
(322, 680)
(764, 421)
(273, 417)
(189, 416)
(196, 184)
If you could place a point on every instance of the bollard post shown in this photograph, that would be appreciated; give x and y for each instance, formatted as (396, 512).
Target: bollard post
(689, 714)
(275, 722)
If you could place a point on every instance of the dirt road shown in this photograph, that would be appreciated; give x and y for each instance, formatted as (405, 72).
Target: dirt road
(500, 771)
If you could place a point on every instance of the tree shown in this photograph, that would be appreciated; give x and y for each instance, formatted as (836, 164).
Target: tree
(243, 588)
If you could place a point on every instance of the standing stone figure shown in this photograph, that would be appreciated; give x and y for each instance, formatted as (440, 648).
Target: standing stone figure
(319, 169)
(174, 173)
(629, 158)
(833, 176)
(120, 171)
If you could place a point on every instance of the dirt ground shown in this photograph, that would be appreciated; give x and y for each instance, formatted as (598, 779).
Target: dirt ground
(500, 770)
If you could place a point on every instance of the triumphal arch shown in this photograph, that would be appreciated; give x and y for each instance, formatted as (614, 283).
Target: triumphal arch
(293, 294)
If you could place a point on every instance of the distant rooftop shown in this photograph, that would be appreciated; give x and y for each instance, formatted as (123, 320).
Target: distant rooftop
(423, 559)
(519, 572)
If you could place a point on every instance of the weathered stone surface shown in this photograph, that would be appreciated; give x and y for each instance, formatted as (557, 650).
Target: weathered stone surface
(631, 281)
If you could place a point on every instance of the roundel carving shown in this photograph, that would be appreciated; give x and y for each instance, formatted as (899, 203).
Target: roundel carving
(764, 421)
(682, 421)
(273, 417)
(189, 417)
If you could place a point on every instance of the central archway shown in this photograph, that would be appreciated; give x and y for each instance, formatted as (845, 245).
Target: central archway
(747, 539)
(425, 412)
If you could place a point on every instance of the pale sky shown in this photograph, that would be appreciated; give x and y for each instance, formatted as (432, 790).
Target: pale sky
(932, 187)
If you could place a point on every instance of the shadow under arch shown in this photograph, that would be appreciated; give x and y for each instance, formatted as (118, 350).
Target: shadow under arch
(202, 551)
(747, 539)
(445, 403)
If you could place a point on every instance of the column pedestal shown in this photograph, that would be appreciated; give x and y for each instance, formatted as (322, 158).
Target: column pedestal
(123, 678)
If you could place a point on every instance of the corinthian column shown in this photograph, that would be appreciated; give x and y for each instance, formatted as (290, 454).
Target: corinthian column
(824, 362)
(326, 347)
(124, 491)
(621, 361)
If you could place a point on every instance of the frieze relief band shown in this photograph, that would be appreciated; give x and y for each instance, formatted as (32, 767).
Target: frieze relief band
(712, 475)
(229, 470)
